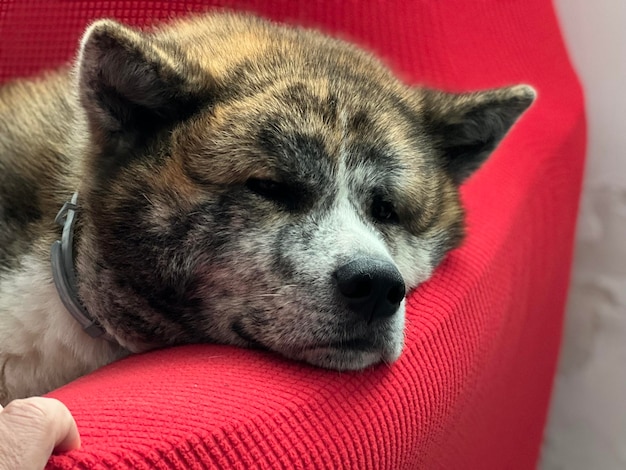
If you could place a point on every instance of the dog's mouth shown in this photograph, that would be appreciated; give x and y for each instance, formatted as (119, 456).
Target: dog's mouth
(360, 344)
(343, 354)
(356, 344)
(240, 331)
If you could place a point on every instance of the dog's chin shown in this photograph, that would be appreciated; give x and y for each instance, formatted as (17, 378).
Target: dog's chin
(343, 359)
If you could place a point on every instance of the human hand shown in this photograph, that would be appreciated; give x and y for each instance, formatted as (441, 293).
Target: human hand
(31, 429)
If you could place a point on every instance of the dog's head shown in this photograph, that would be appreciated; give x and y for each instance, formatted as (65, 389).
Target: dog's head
(264, 186)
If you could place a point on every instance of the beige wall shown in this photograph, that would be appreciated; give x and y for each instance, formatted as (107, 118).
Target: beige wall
(587, 426)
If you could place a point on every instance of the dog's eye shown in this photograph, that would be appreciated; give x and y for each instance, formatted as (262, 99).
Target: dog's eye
(272, 190)
(383, 211)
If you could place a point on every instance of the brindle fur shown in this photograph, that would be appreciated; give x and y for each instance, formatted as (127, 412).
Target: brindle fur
(165, 134)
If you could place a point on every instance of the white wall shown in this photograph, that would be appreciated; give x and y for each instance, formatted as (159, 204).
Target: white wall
(587, 425)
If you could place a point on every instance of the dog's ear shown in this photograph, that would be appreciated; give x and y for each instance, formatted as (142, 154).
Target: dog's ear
(129, 83)
(467, 127)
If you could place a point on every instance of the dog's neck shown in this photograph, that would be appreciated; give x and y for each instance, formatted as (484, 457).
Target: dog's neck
(63, 271)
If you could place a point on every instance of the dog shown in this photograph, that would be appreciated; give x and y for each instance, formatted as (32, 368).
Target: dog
(225, 179)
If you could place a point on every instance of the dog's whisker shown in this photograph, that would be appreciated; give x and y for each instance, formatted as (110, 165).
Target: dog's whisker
(147, 198)
(278, 291)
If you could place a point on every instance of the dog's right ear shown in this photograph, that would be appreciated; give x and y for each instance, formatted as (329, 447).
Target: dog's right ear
(467, 127)
(130, 84)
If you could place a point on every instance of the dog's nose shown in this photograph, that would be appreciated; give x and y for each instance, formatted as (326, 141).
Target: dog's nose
(371, 288)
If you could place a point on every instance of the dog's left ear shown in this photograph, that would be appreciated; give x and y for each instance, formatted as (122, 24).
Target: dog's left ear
(467, 127)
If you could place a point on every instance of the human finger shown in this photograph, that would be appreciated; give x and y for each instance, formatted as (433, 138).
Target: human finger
(31, 428)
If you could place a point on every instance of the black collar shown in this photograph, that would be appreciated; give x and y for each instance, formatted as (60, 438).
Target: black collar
(63, 271)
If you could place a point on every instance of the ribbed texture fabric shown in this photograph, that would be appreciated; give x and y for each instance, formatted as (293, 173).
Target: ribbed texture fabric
(472, 387)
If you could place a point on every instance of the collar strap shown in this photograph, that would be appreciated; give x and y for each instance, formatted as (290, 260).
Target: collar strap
(63, 271)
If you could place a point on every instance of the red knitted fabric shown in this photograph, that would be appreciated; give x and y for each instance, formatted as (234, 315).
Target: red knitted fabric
(472, 387)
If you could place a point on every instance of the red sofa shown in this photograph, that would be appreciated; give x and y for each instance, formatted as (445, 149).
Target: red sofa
(472, 388)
